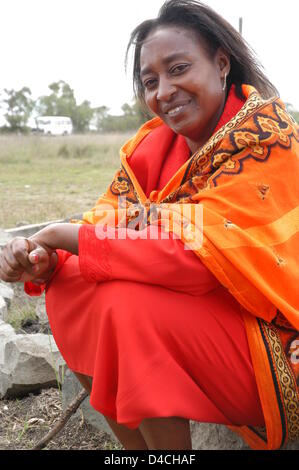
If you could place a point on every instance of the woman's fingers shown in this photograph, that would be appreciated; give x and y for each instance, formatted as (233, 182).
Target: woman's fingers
(7, 275)
(24, 260)
(32, 258)
(10, 269)
(39, 256)
(14, 260)
(15, 254)
(41, 261)
(12, 265)
(44, 271)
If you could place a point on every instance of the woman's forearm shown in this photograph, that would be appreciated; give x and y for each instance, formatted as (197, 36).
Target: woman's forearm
(163, 262)
(59, 236)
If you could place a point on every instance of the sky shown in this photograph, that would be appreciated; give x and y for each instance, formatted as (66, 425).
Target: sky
(83, 42)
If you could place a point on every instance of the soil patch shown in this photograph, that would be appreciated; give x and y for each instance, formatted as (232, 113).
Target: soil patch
(31, 326)
(23, 422)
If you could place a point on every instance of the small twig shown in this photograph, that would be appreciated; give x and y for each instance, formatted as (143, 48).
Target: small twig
(82, 417)
(71, 409)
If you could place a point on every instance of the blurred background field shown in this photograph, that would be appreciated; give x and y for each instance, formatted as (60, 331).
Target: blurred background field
(46, 178)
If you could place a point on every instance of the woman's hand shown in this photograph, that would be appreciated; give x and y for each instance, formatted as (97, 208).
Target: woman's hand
(23, 259)
(34, 258)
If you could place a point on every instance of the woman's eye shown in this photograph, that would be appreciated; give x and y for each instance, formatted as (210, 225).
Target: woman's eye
(179, 68)
(149, 83)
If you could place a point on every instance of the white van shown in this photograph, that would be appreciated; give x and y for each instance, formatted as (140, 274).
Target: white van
(54, 125)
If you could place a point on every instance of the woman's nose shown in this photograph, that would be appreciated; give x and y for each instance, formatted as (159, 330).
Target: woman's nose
(166, 90)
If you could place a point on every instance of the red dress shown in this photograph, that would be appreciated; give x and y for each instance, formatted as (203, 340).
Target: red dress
(147, 320)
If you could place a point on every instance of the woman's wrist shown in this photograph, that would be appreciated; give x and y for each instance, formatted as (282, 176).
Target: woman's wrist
(59, 236)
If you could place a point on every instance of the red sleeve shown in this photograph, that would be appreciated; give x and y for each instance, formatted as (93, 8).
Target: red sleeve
(163, 262)
(34, 289)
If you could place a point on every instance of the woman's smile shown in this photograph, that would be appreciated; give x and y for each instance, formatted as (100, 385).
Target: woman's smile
(182, 85)
(177, 110)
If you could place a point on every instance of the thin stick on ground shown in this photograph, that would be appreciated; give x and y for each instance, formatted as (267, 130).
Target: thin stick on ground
(70, 410)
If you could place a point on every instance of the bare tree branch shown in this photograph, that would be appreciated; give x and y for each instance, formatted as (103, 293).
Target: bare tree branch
(70, 410)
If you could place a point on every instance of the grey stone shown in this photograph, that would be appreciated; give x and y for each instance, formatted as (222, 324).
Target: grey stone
(22, 222)
(4, 237)
(40, 310)
(6, 292)
(29, 230)
(292, 446)
(3, 309)
(70, 389)
(6, 334)
(209, 436)
(29, 363)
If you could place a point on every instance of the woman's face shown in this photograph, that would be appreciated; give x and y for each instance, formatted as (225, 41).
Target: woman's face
(182, 85)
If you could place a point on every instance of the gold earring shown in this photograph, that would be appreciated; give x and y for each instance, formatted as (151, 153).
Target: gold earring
(224, 83)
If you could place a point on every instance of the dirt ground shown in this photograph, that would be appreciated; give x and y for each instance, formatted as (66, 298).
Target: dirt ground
(23, 422)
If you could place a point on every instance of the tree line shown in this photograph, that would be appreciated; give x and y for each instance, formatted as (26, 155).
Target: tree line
(20, 107)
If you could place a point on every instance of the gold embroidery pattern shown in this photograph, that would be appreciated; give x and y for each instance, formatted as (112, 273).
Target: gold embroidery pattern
(286, 381)
(201, 161)
(245, 139)
(122, 185)
(249, 107)
(225, 152)
(269, 125)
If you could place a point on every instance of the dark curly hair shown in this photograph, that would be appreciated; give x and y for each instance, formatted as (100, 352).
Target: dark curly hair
(214, 32)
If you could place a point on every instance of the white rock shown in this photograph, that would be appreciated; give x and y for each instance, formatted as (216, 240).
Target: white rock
(40, 310)
(6, 334)
(29, 364)
(7, 293)
(3, 308)
(4, 237)
(208, 436)
(70, 389)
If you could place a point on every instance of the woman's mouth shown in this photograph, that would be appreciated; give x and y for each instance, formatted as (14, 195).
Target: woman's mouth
(176, 110)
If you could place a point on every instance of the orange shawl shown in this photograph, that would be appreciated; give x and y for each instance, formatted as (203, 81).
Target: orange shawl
(245, 177)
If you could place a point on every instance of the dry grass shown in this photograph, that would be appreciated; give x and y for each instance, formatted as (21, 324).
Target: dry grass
(22, 311)
(23, 423)
(48, 178)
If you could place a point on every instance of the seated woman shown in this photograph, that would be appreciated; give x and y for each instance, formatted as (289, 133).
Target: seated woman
(174, 298)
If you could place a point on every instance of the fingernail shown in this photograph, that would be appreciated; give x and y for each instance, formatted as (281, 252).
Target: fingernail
(35, 257)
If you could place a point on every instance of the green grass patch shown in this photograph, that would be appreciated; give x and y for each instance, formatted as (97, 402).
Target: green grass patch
(18, 316)
(47, 178)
